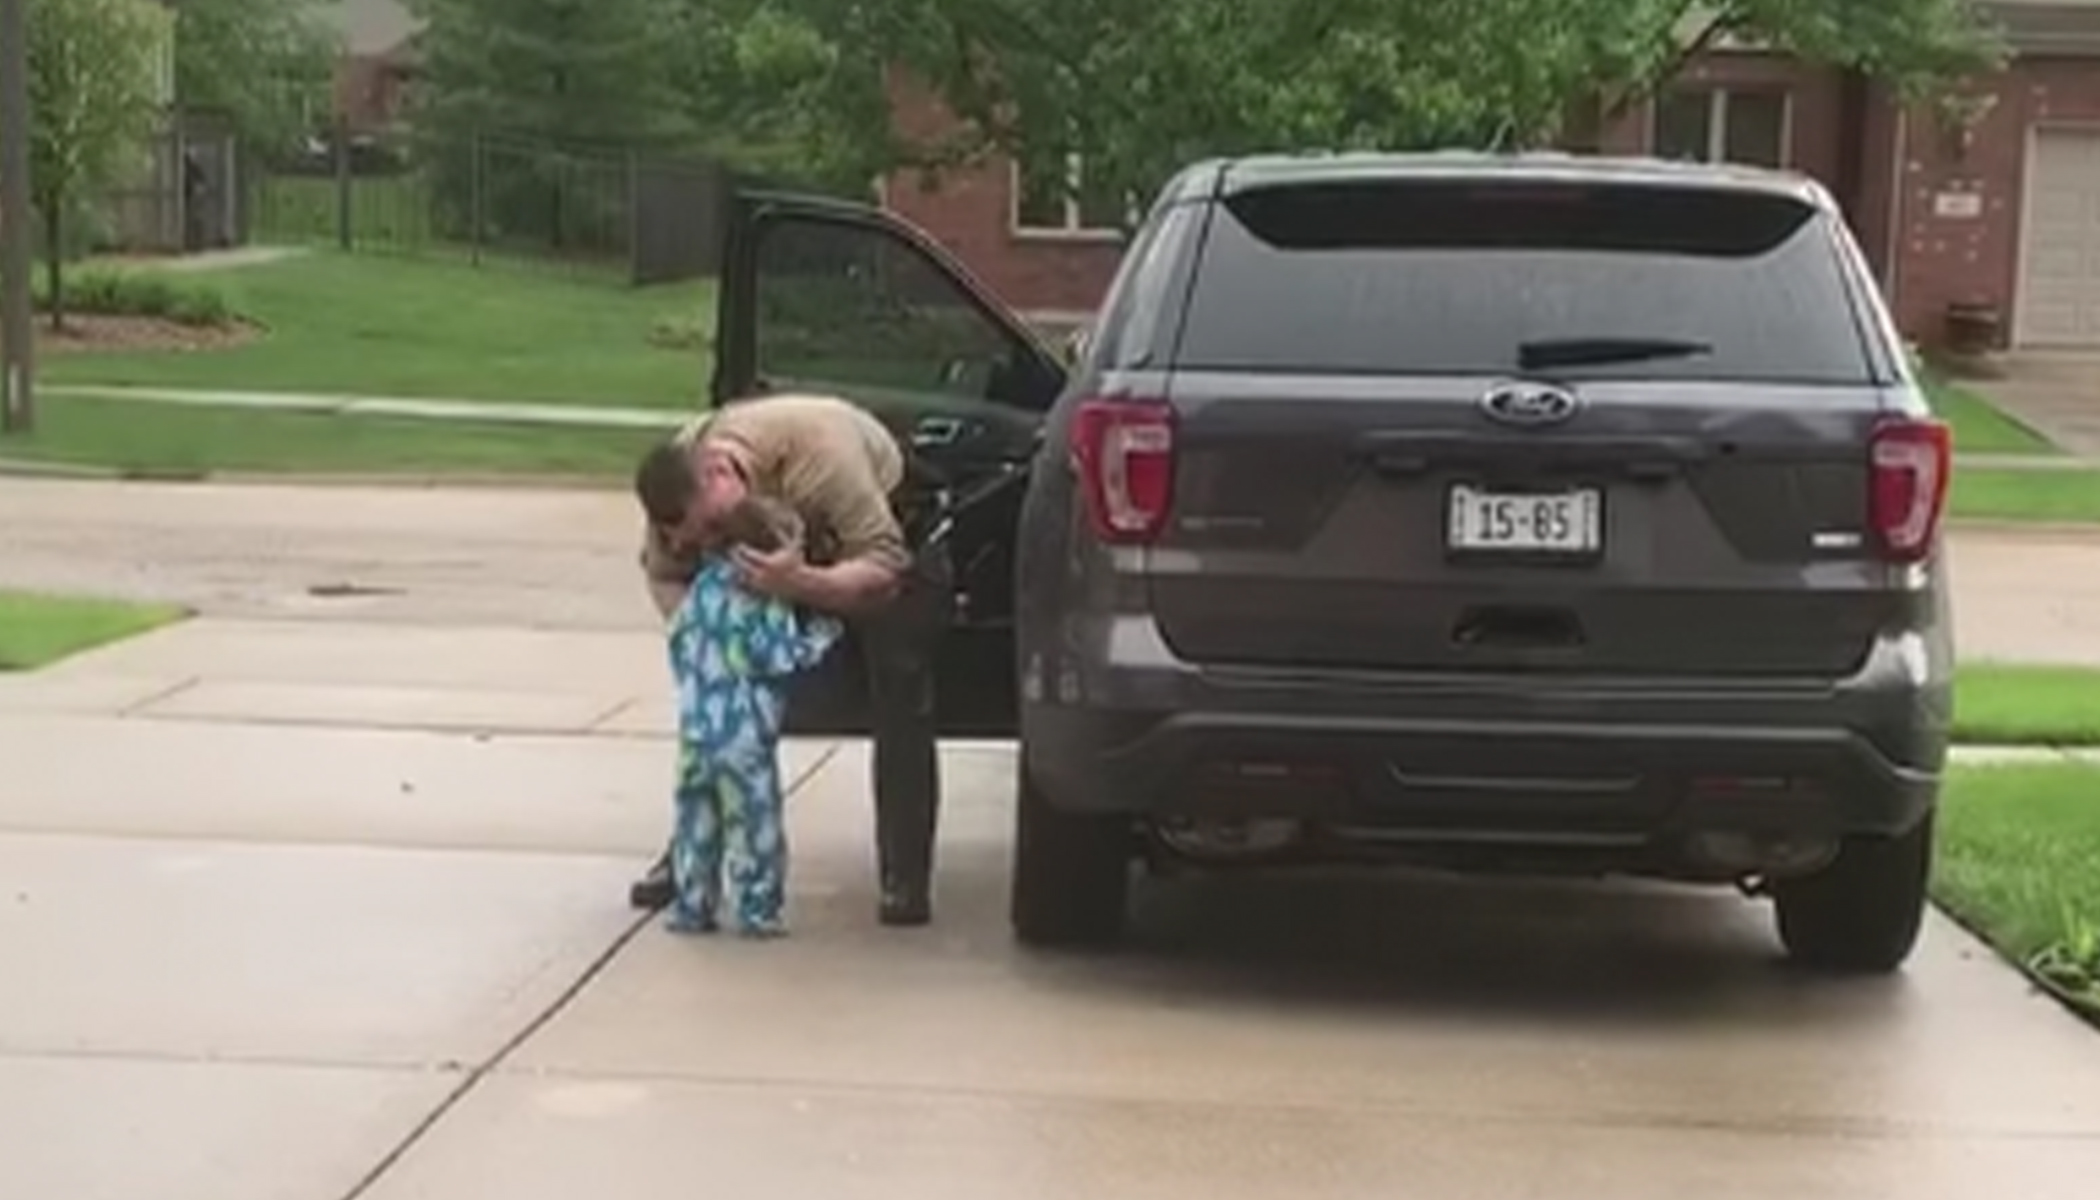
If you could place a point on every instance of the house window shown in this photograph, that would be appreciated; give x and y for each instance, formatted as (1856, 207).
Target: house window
(1732, 125)
(164, 59)
(1052, 196)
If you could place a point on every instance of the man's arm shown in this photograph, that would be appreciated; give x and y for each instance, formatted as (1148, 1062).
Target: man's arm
(872, 555)
(844, 587)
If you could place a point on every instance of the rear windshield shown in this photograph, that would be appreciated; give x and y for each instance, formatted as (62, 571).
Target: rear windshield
(1498, 277)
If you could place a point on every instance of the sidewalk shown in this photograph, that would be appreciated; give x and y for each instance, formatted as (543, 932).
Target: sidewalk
(592, 415)
(231, 259)
(603, 416)
(482, 681)
(2030, 462)
(2051, 393)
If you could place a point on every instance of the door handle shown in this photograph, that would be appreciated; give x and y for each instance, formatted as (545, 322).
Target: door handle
(936, 431)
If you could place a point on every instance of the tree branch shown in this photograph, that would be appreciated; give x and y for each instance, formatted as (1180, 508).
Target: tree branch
(1724, 21)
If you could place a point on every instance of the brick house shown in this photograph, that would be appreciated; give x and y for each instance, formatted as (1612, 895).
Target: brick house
(376, 62)
(1992, 200)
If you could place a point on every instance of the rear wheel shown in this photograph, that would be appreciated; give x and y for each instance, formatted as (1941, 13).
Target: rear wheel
(1071, 881)
(1861, 914)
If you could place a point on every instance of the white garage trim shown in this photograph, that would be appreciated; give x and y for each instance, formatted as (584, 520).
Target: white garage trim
(2024, 332)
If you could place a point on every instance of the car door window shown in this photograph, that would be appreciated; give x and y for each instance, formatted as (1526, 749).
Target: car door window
(824, 298)
(856, 309)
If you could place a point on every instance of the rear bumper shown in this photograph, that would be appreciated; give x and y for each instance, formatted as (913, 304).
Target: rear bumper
(1525, 758)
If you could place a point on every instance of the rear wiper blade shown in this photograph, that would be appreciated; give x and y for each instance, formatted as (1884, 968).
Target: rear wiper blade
(1586, 352)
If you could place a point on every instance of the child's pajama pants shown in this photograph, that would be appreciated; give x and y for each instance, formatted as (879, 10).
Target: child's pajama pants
(730, 813)
(731, 650)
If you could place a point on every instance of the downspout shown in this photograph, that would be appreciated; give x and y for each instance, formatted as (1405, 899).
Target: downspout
(1893, 249)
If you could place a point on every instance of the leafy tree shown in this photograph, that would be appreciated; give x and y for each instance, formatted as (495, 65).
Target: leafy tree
(263, 64)
(1920, 47)
(1141, 87)
(526, 109)
(567, 70)
(94, 96)
(777, 94)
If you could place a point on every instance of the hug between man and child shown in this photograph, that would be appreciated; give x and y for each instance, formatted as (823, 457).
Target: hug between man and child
(732, 651)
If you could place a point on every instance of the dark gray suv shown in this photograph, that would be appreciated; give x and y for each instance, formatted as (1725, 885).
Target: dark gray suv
(1531, 513)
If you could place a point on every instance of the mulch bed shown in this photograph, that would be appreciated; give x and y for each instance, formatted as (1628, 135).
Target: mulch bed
(117, 335)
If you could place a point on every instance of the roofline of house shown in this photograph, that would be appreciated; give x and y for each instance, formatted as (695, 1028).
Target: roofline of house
(2030, 27)
(2048, 28)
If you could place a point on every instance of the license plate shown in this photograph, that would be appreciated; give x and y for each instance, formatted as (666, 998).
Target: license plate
(1556, 523)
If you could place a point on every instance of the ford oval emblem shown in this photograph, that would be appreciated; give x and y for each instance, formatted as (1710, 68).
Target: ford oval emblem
(1529, 404)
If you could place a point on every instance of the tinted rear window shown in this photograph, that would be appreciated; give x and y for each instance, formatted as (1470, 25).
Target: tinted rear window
(1454, 278)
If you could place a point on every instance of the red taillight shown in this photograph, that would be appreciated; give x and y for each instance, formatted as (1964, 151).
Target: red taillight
(1124, 451)
(1910, 462)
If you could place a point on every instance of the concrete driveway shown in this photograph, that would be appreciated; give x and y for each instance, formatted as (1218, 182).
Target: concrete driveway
(313, 899)
(2055, 392)
(565, 559)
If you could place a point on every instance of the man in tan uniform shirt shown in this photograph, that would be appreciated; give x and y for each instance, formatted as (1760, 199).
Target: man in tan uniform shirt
(845, 475)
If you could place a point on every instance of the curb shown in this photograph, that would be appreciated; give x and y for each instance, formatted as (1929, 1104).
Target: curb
(31, 469)
(2078, 1007)
(412, 482)
(1971, 754)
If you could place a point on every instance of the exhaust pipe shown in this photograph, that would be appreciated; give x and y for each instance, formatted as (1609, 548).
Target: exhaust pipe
(1767, 855)
(1228, 843)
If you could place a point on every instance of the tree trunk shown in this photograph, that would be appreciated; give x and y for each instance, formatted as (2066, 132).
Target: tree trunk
(55, 264)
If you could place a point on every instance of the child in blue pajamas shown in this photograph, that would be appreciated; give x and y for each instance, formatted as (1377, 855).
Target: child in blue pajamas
(731, 653)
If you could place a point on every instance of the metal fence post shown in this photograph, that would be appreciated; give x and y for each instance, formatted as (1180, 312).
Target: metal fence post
(634, 217)
(17, 332)
(477, 197)
(344, 230)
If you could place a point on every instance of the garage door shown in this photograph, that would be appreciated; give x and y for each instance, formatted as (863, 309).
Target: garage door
(2060, 285)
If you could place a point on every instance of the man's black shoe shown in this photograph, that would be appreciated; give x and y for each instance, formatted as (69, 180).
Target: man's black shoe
(652, 891)
(906, 906)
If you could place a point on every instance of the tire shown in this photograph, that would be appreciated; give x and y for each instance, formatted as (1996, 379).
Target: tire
(1861, 914)
(1071, 873)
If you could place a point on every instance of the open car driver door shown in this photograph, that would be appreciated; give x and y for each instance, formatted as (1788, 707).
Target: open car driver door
(826, 297)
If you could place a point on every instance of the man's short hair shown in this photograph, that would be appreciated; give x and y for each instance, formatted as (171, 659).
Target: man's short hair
(665, 483)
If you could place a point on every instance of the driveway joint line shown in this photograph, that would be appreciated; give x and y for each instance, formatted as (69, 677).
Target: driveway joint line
(236, 1059)
(462, 729)
(1830, 1127)
(823, 760)
(138, 707)
(422, 1129)
(245, 841)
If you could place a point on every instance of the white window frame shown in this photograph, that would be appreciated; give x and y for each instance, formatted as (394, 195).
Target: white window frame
(164, 55)
(1074, 227)
(1717, 98)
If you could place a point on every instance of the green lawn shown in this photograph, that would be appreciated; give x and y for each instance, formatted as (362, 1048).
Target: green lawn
(168, 439)
(1999, 494)
(2004, 705)
(38, 630)
(392, 326)
(2011, 494)
(1980, 428)
(2019, 861)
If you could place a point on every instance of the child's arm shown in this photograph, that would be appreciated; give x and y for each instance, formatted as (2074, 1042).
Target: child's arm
(774, 525)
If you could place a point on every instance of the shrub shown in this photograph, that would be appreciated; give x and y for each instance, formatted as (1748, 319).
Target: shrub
(201, 307)
(106, 293)
(682, 333)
